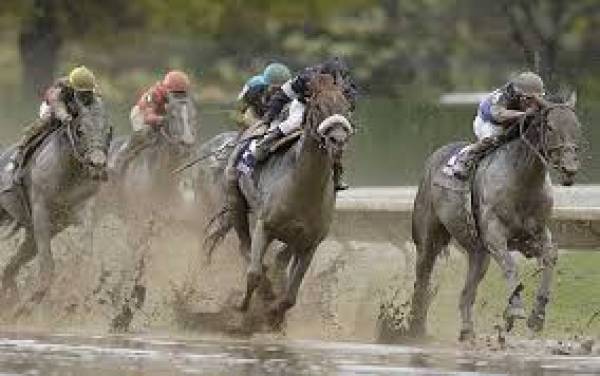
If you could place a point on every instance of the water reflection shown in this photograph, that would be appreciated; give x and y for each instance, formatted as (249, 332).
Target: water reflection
(99, 356)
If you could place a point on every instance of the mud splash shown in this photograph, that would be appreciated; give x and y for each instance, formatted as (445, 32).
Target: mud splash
(148, 274)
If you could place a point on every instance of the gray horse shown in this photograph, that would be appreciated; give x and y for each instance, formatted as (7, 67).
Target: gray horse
(148, 172)
(507, 209)
(57, 180)
(291, 196)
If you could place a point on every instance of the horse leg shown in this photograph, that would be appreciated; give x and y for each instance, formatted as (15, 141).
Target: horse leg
(302, 260)
(242, 229)
(43, 235)
(495, 239)
(280, 265)
(25, 254)
(479, 261)
(547, 261)
(430, 238)
(254, 275)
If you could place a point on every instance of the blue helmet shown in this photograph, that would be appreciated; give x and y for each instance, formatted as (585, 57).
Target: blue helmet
(254, 81)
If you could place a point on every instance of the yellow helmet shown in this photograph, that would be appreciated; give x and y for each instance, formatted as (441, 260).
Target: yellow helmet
(82, 79)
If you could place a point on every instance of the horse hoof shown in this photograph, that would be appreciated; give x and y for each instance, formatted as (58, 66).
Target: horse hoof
(466, 335)
(276, 319)
(535, 322)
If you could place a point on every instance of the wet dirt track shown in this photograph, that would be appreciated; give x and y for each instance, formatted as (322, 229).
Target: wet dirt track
(143, 356)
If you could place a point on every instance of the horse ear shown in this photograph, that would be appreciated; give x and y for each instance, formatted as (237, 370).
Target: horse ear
(572, 101)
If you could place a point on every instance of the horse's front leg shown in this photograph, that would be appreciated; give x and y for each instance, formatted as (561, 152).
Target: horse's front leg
(42, 227)
(301, 262)
(255, 273)
(496, 241)
(547, 261)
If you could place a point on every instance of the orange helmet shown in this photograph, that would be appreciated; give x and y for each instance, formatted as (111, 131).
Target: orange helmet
(176, 81)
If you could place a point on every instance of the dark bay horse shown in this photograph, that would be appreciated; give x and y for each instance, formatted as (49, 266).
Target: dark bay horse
(58, 179)
(292, 198)
(507, 210)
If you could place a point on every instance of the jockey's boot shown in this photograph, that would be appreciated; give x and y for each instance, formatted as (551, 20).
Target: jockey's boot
(471, 155)
(338, 182)
(263, 147)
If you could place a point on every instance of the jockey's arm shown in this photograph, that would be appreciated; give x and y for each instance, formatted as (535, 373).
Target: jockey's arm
(55, 100)
(292, 89)
(151, 113)
(503, 116)
(294, 119)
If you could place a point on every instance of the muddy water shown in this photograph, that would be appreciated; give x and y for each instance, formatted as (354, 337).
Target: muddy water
(104, 355)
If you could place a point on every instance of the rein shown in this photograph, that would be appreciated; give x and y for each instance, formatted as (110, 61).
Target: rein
(78, 156)
(170, 140)
(543, 154)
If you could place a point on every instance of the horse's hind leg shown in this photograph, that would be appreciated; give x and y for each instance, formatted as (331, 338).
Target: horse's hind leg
(430, 237)
(479, 261)
(25, 253)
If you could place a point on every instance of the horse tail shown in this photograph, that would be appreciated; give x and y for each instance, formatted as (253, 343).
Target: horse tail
(216, 230)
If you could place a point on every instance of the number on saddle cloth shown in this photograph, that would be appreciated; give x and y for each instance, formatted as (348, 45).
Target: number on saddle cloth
(448, 168)
(247, 161)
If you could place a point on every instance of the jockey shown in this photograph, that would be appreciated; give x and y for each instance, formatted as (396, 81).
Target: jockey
(59, 107)
(296, 91)
(498, 112)
(148, 114)
(257, 91)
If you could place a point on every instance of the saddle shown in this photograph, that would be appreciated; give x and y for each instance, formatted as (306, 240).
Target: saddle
(247, 162)
(447, 179)
(39, 133)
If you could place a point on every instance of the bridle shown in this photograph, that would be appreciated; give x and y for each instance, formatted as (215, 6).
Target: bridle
(74, 140)
(319, 132)
(542, 151)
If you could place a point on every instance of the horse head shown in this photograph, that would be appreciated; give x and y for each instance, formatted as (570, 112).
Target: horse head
(90, 135)
(326, 115)
(560, 134)
(181, 117)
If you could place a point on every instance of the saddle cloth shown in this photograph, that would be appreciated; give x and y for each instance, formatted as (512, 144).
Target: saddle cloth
(247, 162)
(447, 179)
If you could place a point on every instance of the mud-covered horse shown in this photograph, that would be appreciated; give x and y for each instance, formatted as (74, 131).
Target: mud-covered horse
(291, 196)
(57, 179)
(147, 175)
(508, 209)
